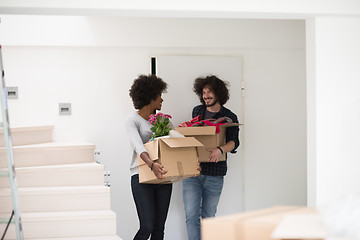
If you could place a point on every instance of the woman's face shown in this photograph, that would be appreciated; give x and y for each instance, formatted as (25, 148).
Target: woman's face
(157, 103)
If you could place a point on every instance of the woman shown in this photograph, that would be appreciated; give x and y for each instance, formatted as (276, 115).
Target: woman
(151, 200)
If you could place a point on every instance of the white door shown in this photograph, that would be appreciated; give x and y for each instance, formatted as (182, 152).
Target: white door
(180, 72)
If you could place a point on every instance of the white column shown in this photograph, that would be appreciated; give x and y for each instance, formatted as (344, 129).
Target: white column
(311, 112)
(336, 109)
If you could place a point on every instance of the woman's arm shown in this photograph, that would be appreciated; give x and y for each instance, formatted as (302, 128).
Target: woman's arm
(138, 145)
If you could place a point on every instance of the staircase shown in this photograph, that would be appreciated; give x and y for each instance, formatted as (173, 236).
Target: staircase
(61, 189)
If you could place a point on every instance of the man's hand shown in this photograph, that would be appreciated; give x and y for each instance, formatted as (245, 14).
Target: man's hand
(215, 154)
(159, 170)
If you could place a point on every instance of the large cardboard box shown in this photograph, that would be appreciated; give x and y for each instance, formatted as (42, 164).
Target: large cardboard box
(300, 226)
(261, 228)
(252, 225)
(208, 137)
(229, 226)
(178, 156)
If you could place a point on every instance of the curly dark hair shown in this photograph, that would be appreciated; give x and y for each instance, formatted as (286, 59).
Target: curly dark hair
(146, 88)
(217, 86)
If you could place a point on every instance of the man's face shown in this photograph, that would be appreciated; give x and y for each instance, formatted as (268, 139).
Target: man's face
(208, 97)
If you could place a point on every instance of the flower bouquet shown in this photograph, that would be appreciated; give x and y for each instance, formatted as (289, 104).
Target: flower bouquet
(160, 125)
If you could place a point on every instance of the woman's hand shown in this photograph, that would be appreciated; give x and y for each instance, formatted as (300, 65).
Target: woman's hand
(198, 167)
(158, 170)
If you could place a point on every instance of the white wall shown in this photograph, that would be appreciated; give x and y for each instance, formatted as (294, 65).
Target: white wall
(337, 59)
(275, 128)
(91, 63)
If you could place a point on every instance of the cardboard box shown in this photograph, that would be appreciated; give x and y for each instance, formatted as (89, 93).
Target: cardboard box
(300, 226)
(251, 225)
(261, 228)
(208, 137)
(229, 226)
(178, 156)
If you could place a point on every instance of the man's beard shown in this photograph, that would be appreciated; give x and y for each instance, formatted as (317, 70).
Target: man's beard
(211, 104)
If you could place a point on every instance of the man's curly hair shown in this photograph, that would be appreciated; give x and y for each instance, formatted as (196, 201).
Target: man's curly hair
(217, 86)
(146, 88)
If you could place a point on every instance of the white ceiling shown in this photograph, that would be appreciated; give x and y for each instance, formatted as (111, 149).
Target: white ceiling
(275, 9)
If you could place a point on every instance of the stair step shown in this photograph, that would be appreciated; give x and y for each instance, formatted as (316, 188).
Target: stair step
(57, 199)
(23, 135)
(64, 225)
(83, 238)
(83, 174)
(53, 153)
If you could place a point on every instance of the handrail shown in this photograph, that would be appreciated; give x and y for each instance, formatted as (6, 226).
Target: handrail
(9, 154)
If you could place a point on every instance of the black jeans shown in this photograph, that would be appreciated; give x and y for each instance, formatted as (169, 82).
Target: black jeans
(152, 204)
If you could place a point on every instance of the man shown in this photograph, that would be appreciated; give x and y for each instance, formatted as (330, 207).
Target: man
(201, 194)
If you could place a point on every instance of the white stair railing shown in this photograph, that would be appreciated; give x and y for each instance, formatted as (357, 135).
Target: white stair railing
(10, 161)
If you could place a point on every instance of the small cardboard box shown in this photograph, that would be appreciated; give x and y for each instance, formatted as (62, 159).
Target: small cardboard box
(208, 137)
(178, 156)
(252, 225)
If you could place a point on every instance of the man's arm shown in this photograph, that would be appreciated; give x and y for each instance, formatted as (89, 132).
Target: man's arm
(232, 139)
(232, 133)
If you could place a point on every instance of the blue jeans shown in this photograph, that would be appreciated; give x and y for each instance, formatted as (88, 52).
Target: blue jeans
(152, 204)
(201, 196)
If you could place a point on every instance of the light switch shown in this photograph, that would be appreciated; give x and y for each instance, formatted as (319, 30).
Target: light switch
(64, 108)
(12, 92)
